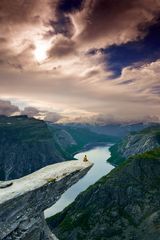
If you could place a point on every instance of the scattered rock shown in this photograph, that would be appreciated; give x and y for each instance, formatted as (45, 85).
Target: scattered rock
(5, 184)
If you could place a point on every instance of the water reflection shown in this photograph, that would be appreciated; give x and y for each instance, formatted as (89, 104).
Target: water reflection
(98, 156)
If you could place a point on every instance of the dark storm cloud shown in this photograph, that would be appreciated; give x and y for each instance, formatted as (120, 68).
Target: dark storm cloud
(30, 111)
(87, 24)
(7, 108)
(62, 25)
(3, 40)
(62, 47)
(44, 57)
(114, 22)
(20, 11)
(60, 21)
(135, 53)
(70, 6)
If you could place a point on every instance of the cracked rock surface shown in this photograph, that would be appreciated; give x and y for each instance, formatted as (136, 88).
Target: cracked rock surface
(23, 201)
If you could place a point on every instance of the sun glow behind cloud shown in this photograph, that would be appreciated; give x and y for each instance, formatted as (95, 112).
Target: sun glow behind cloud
(54, 57)
(40, 51)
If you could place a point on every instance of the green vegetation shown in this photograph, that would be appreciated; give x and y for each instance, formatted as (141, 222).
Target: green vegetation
(68, 223)
(120, 185)
(144, 140)
(107, 201)
(116, 158)
(153, 130)
(22, 128)
(51, 180)
(84, 136)
(150, 155)
(27, 145)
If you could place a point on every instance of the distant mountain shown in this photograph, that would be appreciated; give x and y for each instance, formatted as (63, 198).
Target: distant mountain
(86, 138)
(28, 144)
(135, 143)
(125, 203)
(116, 130)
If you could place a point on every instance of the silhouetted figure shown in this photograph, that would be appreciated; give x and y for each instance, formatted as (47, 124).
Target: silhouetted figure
(85, 159)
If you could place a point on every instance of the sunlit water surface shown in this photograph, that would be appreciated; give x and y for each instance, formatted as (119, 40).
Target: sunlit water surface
(101, 167)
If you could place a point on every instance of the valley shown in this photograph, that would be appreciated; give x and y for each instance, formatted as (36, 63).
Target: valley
(96, 155)
(123, 204)
(28, 144)
(118, 198)
(79, 120)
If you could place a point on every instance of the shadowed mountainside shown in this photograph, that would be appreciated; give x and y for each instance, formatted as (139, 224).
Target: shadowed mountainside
(135, 143)
(122, 205)
(125, 203)
(28, 144)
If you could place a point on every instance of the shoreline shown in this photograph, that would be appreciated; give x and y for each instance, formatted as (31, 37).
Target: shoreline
(90, 146)
(100, 168)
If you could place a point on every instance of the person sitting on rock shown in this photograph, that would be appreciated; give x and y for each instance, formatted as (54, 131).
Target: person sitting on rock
(85, 159)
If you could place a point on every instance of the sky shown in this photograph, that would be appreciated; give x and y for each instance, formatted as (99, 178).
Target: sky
(92, 61)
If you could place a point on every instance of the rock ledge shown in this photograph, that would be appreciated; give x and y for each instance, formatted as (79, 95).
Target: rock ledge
(23, 202)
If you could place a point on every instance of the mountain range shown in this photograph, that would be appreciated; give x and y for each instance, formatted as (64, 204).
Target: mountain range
(28, 144)
(122, 205)
(125, 203)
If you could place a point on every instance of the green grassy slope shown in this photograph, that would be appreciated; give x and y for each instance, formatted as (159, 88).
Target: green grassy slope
(84, 136)
(122, 205)
(136, 142)
(26, 144)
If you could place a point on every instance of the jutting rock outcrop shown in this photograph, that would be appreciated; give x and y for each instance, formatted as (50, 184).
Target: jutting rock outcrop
(23, 201)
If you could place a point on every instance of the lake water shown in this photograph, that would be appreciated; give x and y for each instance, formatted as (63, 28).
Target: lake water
(101, 167)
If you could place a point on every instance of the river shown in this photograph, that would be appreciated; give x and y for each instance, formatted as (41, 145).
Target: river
(97, 155)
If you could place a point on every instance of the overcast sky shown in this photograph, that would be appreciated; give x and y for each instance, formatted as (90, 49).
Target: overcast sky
(80, 60)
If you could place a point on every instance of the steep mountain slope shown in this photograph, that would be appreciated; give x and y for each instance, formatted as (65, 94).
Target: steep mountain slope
(84, 138)
(113, 130)
(135, 143)
(122, 205)
(25, 145)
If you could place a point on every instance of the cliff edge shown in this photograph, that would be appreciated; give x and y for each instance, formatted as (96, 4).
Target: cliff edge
(23, 201)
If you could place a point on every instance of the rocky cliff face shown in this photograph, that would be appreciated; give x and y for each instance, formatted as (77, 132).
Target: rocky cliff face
(63, 140)
(23, 201)
(85, 137)
(122, 205)
(26, 145)
(135, 143)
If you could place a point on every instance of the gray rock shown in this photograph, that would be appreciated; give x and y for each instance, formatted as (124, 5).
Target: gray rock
(28, 144)
(135, 143)
(22, 204)
(5, 184)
